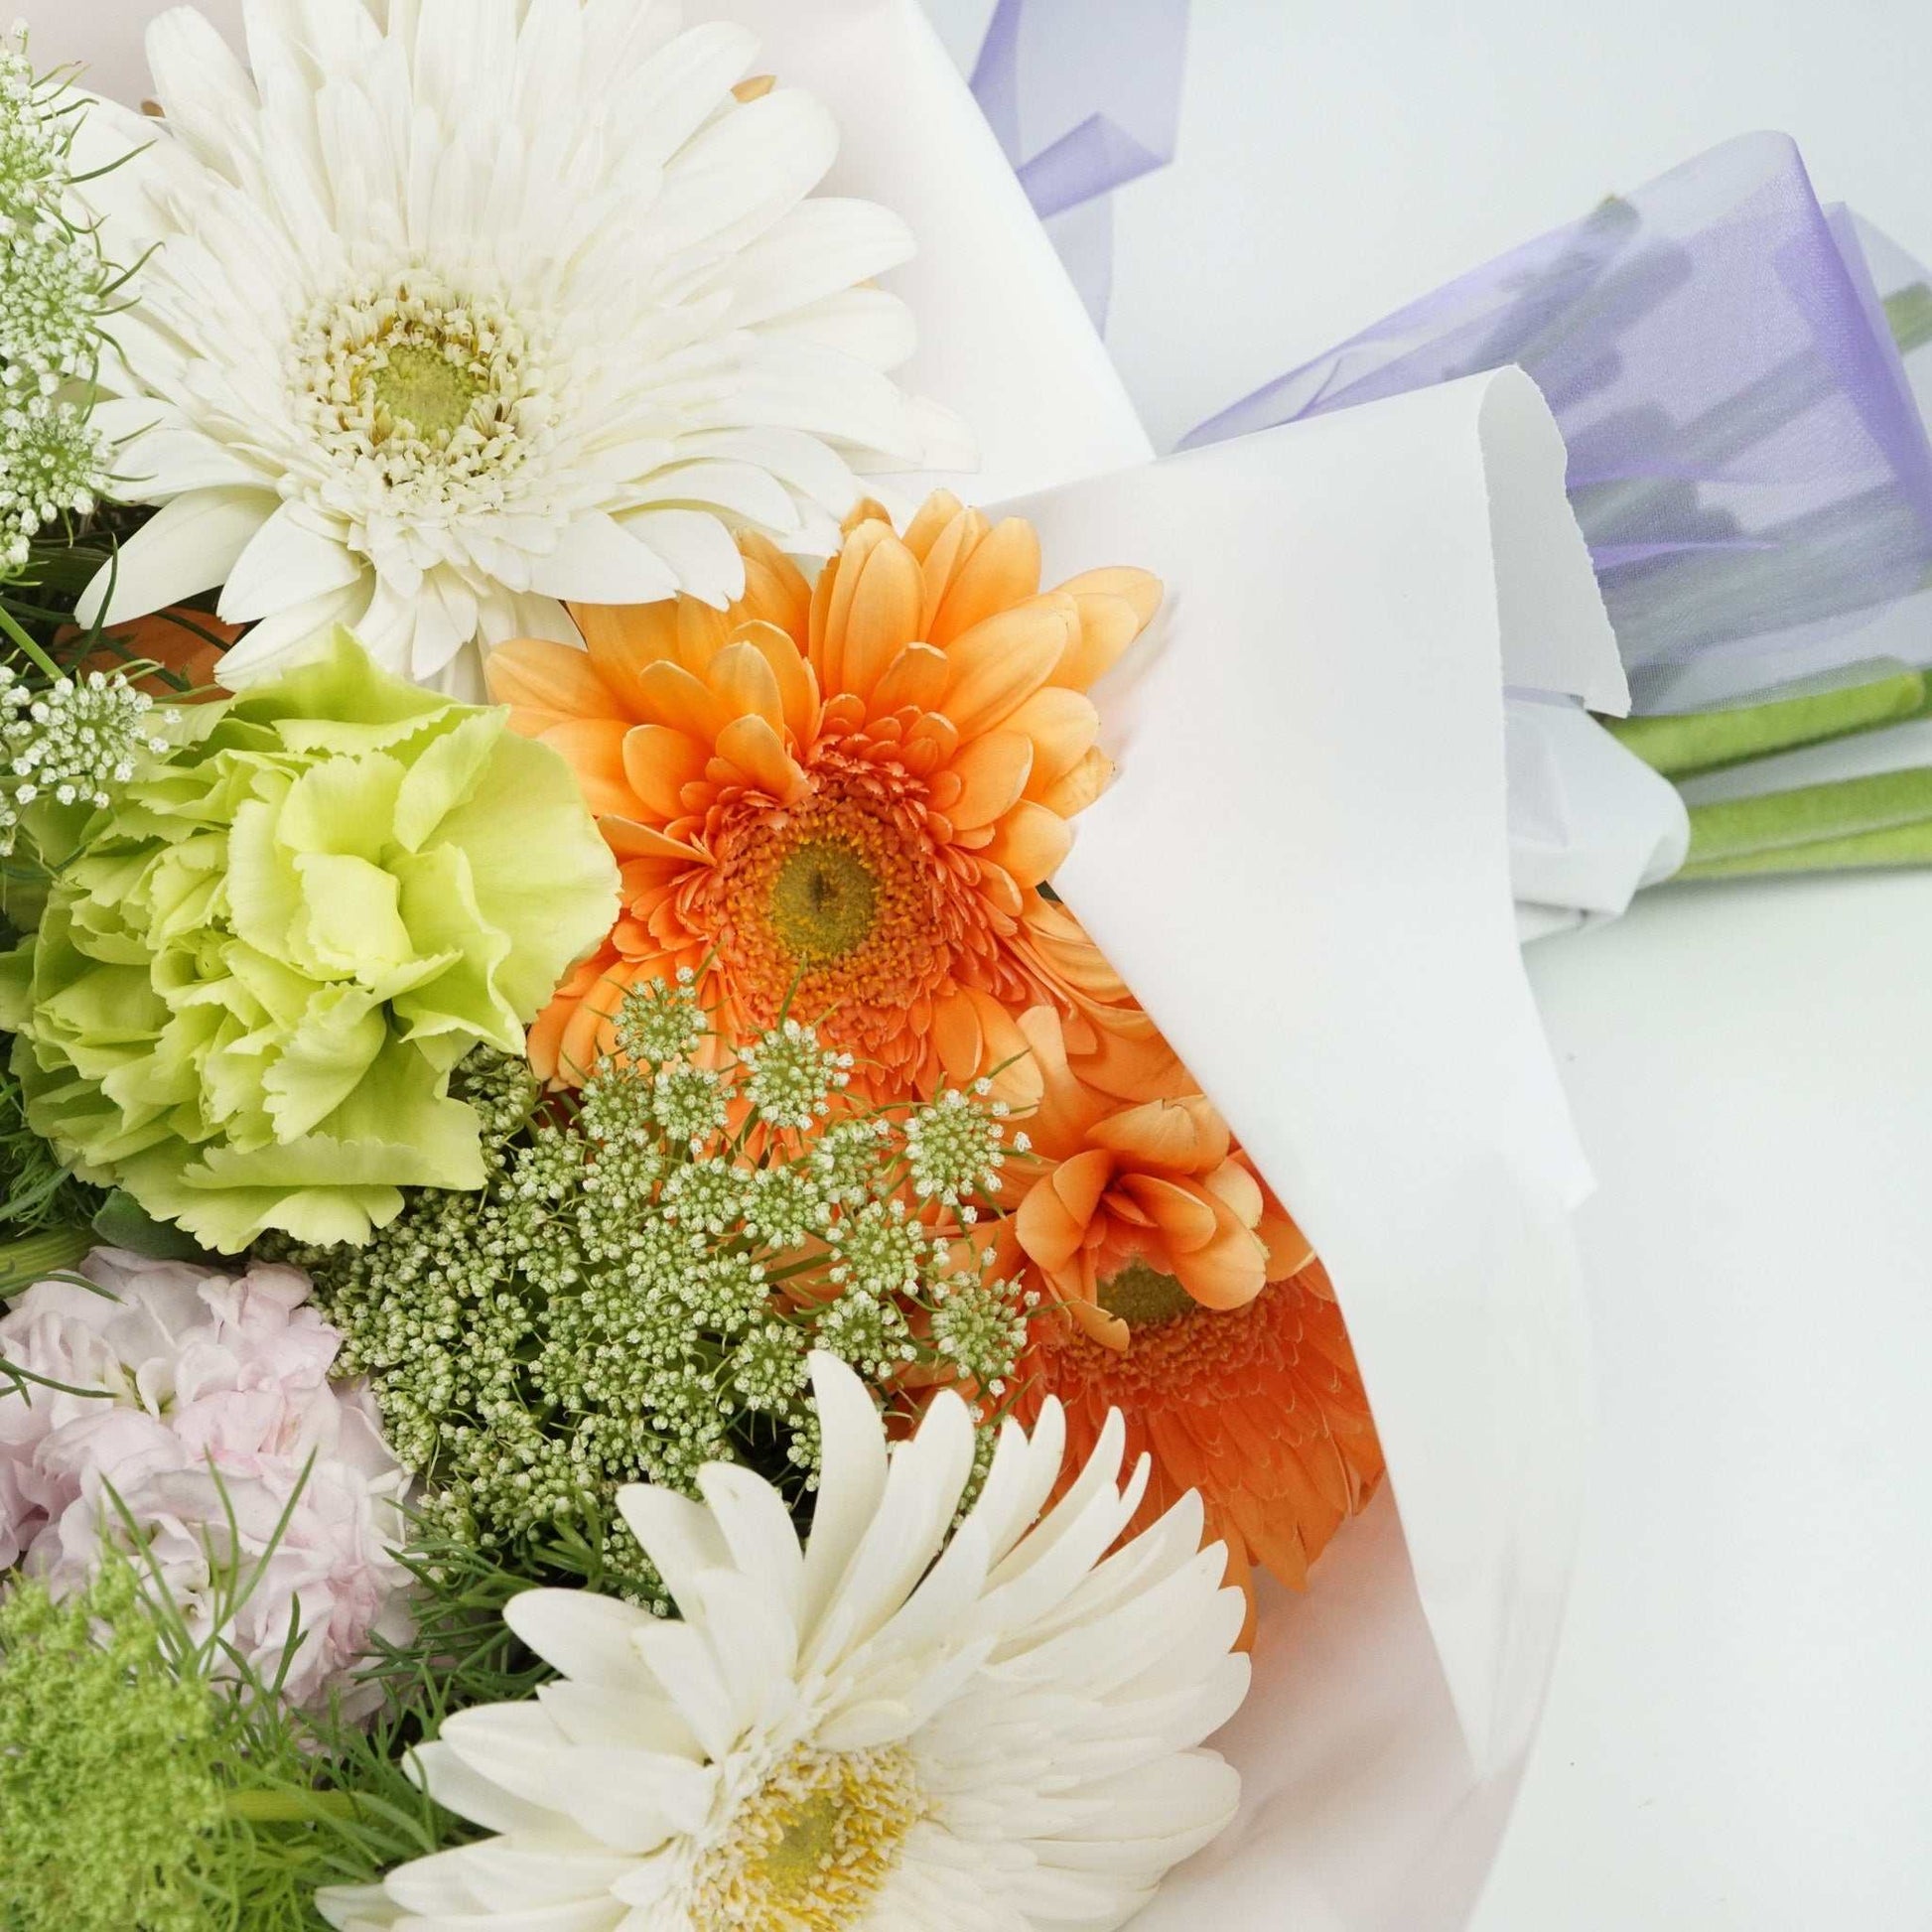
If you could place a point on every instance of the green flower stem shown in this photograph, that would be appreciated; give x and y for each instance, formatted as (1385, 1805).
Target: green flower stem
(270, 1807)
(27, 644)
(1691, 743)
(1883, 820)
(1910, 312)
(34, 1256)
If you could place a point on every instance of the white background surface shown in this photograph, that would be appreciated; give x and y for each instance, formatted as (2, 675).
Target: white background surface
(1740, 1733)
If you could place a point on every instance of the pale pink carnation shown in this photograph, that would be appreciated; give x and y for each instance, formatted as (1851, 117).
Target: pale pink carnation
(216, 1397)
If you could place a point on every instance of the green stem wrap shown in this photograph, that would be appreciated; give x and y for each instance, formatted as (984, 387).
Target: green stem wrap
(1690, 743)
(1883, 820)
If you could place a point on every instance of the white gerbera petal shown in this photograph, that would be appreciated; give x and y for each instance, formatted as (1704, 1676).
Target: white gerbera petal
(755, 1527)
(929, 1758)
(679, 1536)
(507, 303)
(289, 559)
(629, 1800)
(695, 547)
(273, 645)
(675, 93)
(823, 247)
(455, 1787)
(604, 562)
(190, 544)
(853, 1464)
(584, 1635)
(358, 1908)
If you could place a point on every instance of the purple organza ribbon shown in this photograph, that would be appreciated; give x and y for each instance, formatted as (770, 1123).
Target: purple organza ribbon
(1084, 95)
(1746, 454)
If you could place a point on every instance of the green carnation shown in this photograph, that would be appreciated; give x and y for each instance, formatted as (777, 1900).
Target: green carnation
(251, 986)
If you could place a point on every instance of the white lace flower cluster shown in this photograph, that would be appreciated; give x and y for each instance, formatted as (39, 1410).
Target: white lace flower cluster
(53, 287)
(74, 741)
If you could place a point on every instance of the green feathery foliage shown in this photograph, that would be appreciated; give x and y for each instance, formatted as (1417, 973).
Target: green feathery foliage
(108, 1768)
(151, 1781)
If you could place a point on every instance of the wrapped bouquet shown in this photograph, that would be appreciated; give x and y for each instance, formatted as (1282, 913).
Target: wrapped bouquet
(749, 1080)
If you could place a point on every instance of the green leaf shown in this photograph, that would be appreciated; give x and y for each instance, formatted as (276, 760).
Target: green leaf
(123, 1222)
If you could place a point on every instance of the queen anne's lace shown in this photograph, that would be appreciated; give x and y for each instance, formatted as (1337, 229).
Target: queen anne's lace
(75, 742)
(52, 290)
(635, 1292)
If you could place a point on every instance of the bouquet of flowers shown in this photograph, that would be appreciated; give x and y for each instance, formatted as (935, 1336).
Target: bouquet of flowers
(714, 1159)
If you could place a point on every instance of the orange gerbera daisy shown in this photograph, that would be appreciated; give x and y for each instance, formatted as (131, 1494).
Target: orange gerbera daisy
(1260, 1408)
(845, 796)
(1143, 1200)
(1187, 1300)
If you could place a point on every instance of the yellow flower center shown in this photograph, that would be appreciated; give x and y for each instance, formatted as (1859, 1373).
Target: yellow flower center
(1144, 1298)
(813, 1846)
(420, 397)
(822, 901)
(424, 392)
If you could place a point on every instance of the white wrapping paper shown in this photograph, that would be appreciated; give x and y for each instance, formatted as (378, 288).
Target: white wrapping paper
(1313, 777)
(1589, 823)
(1302, 870)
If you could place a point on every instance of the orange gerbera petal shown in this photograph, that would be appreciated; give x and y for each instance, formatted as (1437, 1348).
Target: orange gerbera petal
(1183, 1136)
(797, 688)
(933, 516)
(1182, 1215)
(1003, 570)
(999, 664)
(741, 679)
(1061, 726)
(1233, 1183)
(883, 619)
(759, 753)
(1289, 1249)
(1029, 842)
(658, 763)
(916, 677)
(992, 773)
(1227, 1271)
(554, 681)
(775, 591)
(1139, 588)
(668, 694)
(593, 748)
(1071, 794)
(948, 550)
(833, 597)
(1055, 1217)
(186, 644)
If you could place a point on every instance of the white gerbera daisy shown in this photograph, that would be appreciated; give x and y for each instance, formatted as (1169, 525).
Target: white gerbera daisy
(890, 1730)
(459, 308)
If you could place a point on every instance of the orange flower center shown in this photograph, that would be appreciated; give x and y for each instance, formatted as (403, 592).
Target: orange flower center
(1181, 1351)
(835, 902)
(822, 901)
(1144, 1297)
